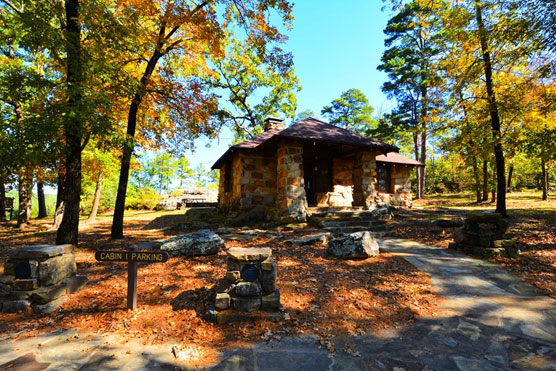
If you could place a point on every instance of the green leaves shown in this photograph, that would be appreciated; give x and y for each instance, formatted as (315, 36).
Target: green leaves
(258, 82)
(351, 111)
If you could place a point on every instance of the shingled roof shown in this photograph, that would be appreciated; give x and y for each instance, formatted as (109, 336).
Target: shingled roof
(310, 129)
(396, 158)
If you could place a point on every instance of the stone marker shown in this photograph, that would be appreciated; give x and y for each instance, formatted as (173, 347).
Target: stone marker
(200, 243)
(358, 245)
(250, 285)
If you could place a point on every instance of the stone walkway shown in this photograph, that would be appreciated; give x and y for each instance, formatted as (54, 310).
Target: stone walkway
(490, 320)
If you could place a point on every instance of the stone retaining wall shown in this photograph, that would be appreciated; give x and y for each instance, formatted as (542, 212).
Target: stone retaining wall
(484, 234)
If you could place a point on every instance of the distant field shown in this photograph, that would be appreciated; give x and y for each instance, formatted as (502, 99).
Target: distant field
(49, 199)
(524, 200)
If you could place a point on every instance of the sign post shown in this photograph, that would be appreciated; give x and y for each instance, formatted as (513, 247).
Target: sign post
(132, 283)
(131, 256)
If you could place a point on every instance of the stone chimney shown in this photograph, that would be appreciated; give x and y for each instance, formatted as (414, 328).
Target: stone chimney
(272, 122)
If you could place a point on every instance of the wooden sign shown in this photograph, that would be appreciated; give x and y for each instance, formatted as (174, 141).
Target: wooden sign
(132, 257)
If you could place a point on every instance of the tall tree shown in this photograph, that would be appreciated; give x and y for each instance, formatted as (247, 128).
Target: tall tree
(181, 34)
(409, 61)
(259, 83)
(351, 111)
(493, 110)
(305, 114)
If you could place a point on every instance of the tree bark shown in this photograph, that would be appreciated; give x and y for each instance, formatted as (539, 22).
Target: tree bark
(510, 173)
(73, 128)
(96, 200)
(41, 200)
(25, 198)
(60, 188)
(485, 180)
(417, 172)
(424, 161)
(477, 177)
(424, 113)
(494, 116)
(544, 180)
(2, 201)
(493, 189)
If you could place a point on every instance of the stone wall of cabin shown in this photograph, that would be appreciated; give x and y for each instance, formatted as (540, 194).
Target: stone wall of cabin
(253, 180)
(275, 179)
(400, 179)
(232, 198)
(291, 199)
(364, 179)
(258, 179)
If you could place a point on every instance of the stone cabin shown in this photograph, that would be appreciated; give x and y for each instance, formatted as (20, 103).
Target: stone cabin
(312, 163)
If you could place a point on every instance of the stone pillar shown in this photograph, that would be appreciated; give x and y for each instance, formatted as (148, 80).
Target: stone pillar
(291, 200)
(364, 179)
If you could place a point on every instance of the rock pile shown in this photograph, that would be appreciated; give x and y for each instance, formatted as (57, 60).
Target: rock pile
(250, 283)
(358, 245)
(38, 277)
(484, 234)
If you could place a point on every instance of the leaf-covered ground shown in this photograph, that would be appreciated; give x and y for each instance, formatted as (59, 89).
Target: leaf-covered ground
(319, 295)
(532, 224)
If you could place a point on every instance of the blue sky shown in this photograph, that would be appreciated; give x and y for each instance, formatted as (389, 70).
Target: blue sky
(336, 46)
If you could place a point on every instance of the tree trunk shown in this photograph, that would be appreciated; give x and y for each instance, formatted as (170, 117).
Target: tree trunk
(2, 201)
(494, 116)
(60, 188)
(510, 173)
(96, 201)
(477, 180)
(493, 189)
(59, 212)
(544, 180)
(41, 200)
(127, 150)
(485, 180)
(25, 198)
(417, 172)
(73, 128)
(424, 161)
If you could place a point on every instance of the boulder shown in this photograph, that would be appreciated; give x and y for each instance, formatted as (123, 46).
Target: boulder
(203, 242)
(353, 246)
(312, 239)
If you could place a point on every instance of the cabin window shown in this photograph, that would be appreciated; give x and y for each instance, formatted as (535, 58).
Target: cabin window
(383, 177)
(228, 177)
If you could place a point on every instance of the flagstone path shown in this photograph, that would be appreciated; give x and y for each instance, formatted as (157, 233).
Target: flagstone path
(490, 320)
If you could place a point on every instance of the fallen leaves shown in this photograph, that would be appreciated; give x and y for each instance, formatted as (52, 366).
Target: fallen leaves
(320, 295)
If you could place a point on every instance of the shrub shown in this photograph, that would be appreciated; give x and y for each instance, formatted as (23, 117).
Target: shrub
(142, 198)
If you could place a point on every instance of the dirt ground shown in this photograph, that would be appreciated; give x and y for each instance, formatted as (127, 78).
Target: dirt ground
(532, 224)
(319, 295)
